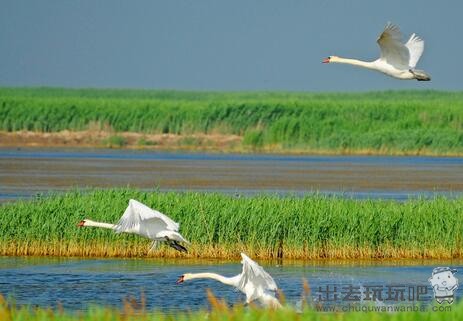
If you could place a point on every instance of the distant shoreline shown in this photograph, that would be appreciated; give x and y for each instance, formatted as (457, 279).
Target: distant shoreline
(215, 143)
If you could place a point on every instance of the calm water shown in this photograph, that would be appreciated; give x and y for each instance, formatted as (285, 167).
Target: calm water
(26, 172)
(78, 283)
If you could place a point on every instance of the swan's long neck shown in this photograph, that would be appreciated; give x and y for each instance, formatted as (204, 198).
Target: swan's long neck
(355, 62)
(214, 276)
(100, 224)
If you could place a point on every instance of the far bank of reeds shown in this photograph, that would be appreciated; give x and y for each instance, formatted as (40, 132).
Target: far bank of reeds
(221, 226)
(391, 122)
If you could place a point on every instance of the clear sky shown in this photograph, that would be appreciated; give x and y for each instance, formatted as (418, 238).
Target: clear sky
(221, 45)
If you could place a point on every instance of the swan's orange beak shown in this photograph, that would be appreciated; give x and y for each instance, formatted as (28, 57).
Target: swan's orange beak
(326, 60)
(180, 279)
(81, 223)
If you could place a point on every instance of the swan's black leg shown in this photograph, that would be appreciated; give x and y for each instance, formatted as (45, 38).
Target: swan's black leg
(176, 245)
(420, 75)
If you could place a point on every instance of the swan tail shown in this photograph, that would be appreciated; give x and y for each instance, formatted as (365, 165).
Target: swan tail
(420, 75)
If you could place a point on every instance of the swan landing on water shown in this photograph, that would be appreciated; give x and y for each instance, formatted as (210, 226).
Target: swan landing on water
(253, 281)
(397, 60)
(144, 221)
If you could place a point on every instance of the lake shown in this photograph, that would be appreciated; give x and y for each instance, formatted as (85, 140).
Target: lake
(26, 172)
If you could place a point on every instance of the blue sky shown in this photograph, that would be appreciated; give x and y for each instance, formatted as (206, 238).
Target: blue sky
(221, 45)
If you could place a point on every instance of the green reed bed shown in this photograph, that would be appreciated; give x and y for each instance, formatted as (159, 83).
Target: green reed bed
(427, 122)
(221, 226)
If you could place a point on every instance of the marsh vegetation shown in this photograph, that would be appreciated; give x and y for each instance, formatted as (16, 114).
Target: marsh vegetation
(394, 122)
(220, 226)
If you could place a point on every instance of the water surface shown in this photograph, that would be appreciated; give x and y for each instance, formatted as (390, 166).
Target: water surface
(26, 172)
(78, 283)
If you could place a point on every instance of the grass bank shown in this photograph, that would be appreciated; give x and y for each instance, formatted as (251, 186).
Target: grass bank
(393, 122)
(220, 311)
(221, 226)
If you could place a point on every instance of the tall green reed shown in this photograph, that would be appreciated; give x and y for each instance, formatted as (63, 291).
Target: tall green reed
(221, 226)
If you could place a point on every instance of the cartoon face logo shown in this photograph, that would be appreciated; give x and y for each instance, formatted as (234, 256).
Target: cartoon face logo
(444, 284)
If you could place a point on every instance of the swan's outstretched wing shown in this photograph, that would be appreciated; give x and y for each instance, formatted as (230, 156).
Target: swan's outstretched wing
(254, 277)
(415, 47)
(138, 216)
(393, 51)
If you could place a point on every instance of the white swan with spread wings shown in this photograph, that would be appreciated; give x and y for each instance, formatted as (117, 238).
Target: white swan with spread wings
(397, 59)
(253, 281)
(147, 222)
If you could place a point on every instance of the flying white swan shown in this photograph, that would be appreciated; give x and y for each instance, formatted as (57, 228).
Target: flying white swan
(144, 221)
(253, 281)
(397, 60)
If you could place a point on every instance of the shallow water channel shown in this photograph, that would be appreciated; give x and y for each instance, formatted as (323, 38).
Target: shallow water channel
(77, 283)
(27, 172)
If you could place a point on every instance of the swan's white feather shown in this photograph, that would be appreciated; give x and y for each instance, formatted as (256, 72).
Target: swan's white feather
(393, 51)
(254, 281)
(138, 216)
(415, 47)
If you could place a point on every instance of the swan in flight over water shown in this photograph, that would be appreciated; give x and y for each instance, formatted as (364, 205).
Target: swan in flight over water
(144, 221)
(253, 281)
(397, 60)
